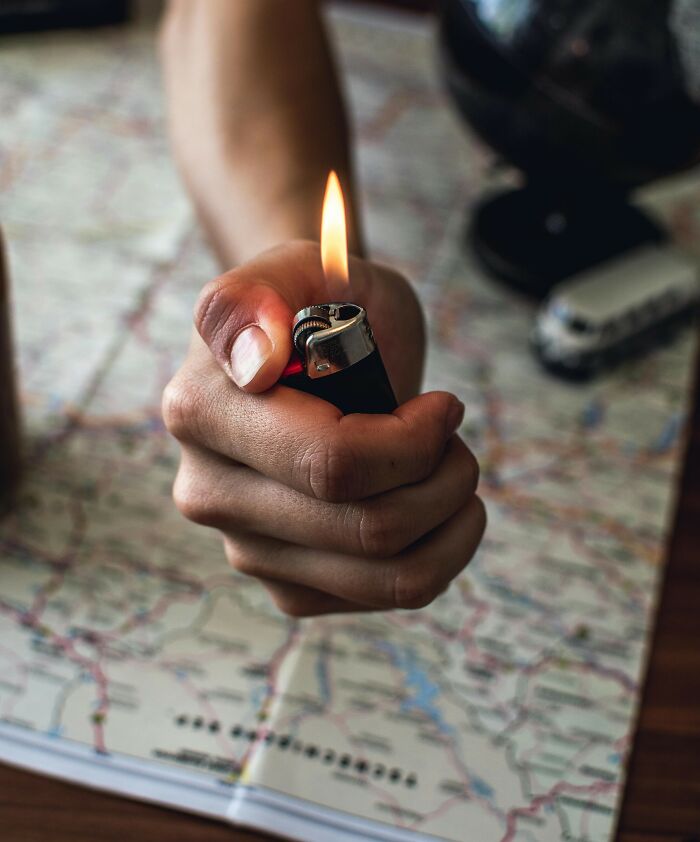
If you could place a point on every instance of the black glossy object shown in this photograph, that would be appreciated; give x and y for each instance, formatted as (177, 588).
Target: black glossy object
(30, 15)
(363, 387)
(589, 99)
(533, 239)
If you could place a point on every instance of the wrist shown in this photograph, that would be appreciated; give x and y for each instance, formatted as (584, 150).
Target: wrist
(245, 211)
(241, 221)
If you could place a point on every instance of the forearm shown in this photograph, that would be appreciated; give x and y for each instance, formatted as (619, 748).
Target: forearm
(257, 118)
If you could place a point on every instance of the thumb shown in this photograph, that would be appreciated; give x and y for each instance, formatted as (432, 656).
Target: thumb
(247, 327)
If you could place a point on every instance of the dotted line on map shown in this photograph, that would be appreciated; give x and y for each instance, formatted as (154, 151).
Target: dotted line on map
(285, 742)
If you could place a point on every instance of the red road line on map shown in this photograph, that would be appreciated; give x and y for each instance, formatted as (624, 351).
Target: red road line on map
(207, 708)
(55, 582)
(274, 665)
(386, 795)
(66, 645)
(339, 720)
(542, 800)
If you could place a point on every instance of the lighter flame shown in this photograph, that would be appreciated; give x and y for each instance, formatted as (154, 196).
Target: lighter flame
(334, 238)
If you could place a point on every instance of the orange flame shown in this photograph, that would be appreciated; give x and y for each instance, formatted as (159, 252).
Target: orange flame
(334, 238)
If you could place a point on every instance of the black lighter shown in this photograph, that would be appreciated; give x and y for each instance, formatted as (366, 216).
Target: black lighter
(337, 359)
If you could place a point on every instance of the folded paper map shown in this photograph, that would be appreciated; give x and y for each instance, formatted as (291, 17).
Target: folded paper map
(133, 659)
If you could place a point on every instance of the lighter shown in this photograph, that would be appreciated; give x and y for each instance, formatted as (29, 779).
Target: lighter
(335, 355)
(338, 359)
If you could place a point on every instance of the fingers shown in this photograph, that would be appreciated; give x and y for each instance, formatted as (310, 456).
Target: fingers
(331, 513)
(214, 492)
(411, 579)
(298, 601)
(245, 316)
(306, 443)
(247, 328)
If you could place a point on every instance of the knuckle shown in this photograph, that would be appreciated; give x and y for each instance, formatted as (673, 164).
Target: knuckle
(180, 406)
(471, 471)
(463, 466)
(212, 311)
(230, 550)
(382, 530)
(329, 470)
(481, 516)
(189, 499)
(241, 559)
(413, 588)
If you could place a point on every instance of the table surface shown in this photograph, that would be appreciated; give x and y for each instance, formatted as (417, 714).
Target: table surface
(662, 798)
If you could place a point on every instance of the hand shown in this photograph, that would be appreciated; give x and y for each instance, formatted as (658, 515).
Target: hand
(332, 513)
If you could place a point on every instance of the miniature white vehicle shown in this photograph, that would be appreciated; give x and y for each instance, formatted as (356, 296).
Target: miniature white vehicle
(615, 310)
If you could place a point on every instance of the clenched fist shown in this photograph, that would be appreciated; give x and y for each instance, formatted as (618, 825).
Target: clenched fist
(331, 513)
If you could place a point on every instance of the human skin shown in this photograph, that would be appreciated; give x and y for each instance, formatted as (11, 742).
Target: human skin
(256, 150)
(330, 513)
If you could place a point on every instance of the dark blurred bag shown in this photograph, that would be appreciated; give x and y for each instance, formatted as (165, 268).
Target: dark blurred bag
(33, 15)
